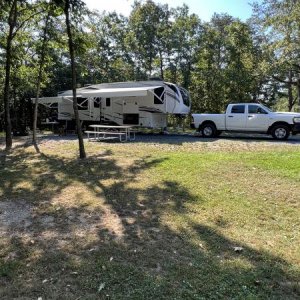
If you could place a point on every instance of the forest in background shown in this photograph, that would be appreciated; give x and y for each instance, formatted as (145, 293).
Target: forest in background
(221, 61)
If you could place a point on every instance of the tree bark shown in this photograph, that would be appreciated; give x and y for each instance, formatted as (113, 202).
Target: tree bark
(298, 91)
(290, 92)
(12, 24)
(161, 65)
(38, 85)
(290, 97)
(73, 68)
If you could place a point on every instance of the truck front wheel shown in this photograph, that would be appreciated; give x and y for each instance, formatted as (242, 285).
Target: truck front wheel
(208, 130)
(280, 132)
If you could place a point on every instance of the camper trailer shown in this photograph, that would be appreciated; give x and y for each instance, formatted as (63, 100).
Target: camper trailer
(141, 103)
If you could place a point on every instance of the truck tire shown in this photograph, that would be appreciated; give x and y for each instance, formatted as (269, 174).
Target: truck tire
(280, 132)
(208, 130)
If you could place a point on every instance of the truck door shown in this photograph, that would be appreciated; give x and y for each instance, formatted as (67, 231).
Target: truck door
(236, 118)
(257, 118)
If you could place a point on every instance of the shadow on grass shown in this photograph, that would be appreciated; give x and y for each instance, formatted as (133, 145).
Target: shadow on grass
(121, 248)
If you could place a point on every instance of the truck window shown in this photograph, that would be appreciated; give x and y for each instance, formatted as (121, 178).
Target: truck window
(238, 109)
(255, 109)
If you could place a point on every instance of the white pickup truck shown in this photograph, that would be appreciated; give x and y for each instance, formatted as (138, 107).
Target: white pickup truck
(248, 118)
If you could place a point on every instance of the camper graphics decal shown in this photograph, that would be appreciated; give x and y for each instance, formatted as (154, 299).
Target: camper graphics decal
(150, 109)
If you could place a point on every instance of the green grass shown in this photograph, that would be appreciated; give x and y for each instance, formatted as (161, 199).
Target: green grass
(7, 269)
(150, 222)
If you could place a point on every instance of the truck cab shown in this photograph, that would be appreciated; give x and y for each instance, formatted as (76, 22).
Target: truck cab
(248, 118)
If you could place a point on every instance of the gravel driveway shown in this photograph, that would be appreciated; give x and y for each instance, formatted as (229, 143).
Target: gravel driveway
(188, 141)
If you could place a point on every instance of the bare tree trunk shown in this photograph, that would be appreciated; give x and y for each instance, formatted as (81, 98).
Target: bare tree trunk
(73, 67)
(290, 97)
(150, 65)
(298, 90)
(161, 66)
(290, 92)
(38, 85)
(12, 23)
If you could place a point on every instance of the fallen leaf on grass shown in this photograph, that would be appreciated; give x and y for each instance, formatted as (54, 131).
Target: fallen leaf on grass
(101, 287)
(238, 249)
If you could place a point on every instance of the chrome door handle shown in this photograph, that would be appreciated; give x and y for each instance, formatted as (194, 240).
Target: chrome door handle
(230, 116)
(250, 116)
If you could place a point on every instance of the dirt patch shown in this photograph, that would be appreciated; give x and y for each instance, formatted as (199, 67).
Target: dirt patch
(14, 215)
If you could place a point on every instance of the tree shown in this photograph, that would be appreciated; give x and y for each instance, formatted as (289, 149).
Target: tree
(12, 30)
(224, 71)
(240, 61)
(107, 57)
(186, 33)
(42, 54)
(75, 6)
(208, 78)
(18, 14)
(278, 21)
(147, 27)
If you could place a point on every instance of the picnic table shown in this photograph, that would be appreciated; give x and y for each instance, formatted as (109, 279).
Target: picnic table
(106, 132)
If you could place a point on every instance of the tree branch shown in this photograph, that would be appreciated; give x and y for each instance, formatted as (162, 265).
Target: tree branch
(297, 66)
(26, 20)
(284, 81)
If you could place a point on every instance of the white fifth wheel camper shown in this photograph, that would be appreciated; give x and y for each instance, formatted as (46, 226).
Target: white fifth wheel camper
(141, 103)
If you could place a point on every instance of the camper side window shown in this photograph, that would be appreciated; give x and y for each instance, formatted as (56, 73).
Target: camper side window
(107, 101)
(159, 95)
(97, 102)
(82, 103)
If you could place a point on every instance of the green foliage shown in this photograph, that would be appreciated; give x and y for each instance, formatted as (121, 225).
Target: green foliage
(277, 23)
(225, 65)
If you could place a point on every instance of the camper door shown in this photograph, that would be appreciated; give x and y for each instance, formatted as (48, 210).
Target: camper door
(130, 111)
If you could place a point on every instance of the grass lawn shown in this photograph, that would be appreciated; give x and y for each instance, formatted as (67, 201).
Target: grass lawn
(147, 221)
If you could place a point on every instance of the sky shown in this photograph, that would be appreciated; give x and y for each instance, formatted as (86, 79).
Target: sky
(203, 8)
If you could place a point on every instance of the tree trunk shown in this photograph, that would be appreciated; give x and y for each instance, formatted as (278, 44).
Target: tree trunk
(161, 66)
(38, 85)
(290, 97)
(73, 67)
(298, 91)
(12, 23)
(290, 92)
(150, 65)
